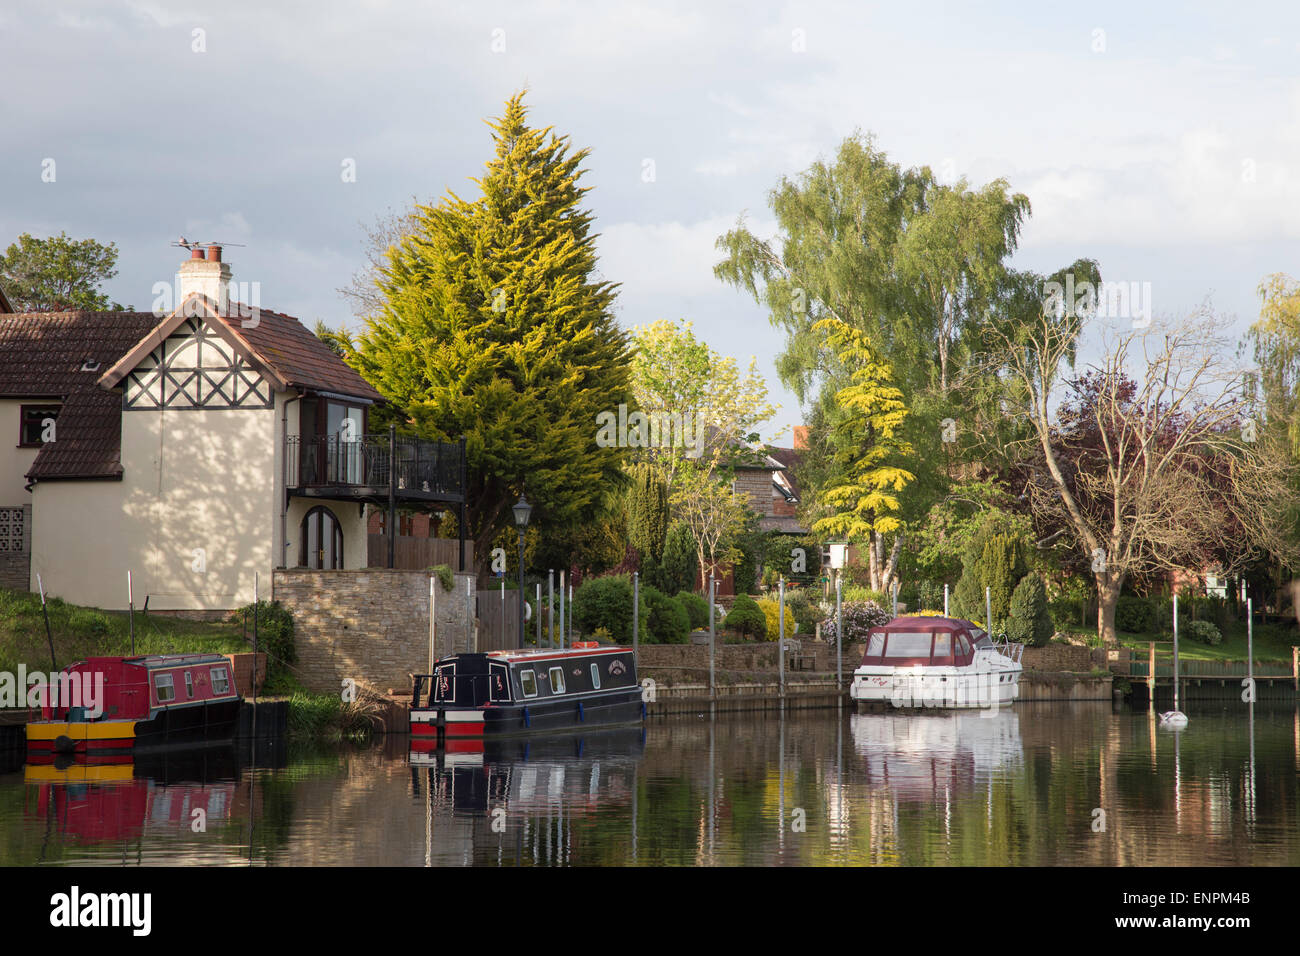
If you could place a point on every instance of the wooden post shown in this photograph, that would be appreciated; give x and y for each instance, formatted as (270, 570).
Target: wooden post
(1295, 667)
(712, 639)
(1151, 676)
(839, 638)
(1176, 650)
(636, 615)
(392, 494)
(1250, 645)
(433, 640)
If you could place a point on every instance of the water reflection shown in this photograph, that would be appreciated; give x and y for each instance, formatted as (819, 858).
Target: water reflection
(1021, 787)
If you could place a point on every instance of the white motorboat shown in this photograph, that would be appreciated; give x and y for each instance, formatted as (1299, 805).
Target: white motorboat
(938, 662)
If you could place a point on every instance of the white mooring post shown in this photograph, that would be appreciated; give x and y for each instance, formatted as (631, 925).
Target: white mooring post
(433, 618)
(713, 596)
(539, 613)
(636, 615)
(839, 636)
(550, 608)
(471, 638)
(561, 610)
(780, 617)
(988, 611)
(1176, 652)
(945, 600)
(1250, 644)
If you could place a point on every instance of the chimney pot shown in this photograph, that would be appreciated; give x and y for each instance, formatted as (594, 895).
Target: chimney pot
(214, 253)
(196, 253)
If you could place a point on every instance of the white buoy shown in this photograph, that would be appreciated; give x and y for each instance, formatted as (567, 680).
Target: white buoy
(1173, 718)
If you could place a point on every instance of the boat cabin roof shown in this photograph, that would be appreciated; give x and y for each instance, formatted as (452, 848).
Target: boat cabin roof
(158, 661)
(534, 654)
(927, 623)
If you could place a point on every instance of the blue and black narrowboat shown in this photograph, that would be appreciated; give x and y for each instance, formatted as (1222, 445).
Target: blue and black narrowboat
(500, 693)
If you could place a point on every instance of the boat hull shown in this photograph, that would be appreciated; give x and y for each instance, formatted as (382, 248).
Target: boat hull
(114, 740)
(451, 727)
(940, 687)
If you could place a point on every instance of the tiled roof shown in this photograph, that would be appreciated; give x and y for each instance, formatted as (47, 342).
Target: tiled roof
(302, 360)
(42, 355)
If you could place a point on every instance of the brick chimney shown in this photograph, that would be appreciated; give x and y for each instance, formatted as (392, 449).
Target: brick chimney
(800, 437)
(207, 276)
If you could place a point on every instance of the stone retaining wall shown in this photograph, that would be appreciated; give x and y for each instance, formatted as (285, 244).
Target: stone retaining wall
(371, 626)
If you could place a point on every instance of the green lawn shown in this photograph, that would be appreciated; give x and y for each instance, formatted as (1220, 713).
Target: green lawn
(81, 632)
(1272, 643)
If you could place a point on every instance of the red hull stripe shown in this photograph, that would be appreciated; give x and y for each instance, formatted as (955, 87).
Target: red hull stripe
(465, 730)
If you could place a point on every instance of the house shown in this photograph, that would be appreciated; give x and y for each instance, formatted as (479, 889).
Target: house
(766, 477)
(196, 449)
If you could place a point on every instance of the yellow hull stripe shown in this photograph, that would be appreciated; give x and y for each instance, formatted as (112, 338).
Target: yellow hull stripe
(78, 773)
(100, 730)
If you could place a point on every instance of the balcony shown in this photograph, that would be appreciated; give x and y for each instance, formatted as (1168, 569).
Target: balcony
(375, 468)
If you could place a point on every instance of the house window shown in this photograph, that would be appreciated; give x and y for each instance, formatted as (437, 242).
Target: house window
(165, 687)
(220, 682)
(557, 680)
(322, 541)
(37, 424)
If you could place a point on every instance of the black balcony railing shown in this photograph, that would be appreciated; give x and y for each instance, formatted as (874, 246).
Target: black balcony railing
(420, 470)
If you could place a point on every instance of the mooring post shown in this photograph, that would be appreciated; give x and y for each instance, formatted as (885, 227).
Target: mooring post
(636, 616)
(130, 610)
(432, 618)
(1250, 646)
(839, 637)
(539, 613)
(1151, 675)
(1295, 667)
(1176, 651)
(550, 607)
(988, 610)
(945, 600)
(780, 615)
(561, 609)
(712, 639)
(471, 633)
(49, 635)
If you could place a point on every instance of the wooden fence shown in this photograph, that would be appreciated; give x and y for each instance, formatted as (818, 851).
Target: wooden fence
(416, 554)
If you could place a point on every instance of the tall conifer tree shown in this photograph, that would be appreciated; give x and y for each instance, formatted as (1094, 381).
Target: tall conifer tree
(495, 327)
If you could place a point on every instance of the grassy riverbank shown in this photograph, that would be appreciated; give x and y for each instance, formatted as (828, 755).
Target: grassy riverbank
(81, 632)
(1272, 643)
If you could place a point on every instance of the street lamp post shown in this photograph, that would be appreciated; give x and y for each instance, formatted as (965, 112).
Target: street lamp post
(522, 510)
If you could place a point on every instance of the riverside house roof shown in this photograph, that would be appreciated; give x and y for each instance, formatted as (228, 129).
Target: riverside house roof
(80, 358)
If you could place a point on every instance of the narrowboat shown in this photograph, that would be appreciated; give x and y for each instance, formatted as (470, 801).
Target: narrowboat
(105, 709)
(532, 691)
(939, 662)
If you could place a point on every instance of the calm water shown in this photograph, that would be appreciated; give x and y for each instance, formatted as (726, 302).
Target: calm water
(1022, 787)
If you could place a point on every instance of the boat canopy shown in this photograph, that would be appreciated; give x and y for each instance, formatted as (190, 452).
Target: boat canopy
(920, 639)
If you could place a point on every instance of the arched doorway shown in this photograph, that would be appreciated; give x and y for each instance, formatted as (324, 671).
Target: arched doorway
(322, 540)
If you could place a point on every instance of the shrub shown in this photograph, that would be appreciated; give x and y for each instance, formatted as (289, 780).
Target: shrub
(1029, 621)
(747, 618)
(859, 618)
(678, 569)
(771, 608)
(1203, 631)
(1134, 615)
(667, 621)
(697, 608)
(929, 594)
(805, 610)
(274, 637)
(607, 603)
(858, 593)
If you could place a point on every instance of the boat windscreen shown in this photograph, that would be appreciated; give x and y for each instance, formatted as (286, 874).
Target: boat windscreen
(876, 645)
(908, 644)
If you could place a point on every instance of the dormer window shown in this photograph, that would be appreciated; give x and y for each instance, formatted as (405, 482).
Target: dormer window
(37, 425)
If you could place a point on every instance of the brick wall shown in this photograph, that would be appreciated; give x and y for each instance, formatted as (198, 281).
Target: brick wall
(757, 484)
(1058, 657)
(371, 626)
(241, 666)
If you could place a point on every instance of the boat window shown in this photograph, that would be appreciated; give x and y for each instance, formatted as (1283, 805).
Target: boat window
(528, 681)
(595, 677)
(907, 644)
(220, 682)
(963, 645)
(557, 680)
(189, 684)
(165, 687)
(942, 645)
(876, 645)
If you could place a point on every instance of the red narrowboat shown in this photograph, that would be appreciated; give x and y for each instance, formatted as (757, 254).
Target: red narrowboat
(107, 708)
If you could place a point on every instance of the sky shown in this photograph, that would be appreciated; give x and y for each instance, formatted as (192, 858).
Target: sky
(1164, 143)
